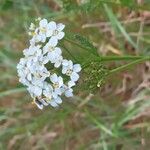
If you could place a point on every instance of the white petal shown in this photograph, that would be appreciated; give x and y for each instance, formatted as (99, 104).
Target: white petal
(54, 78)
(65, 62)
(49, 33)
(53, 41)
(69, 93)
(71, 84)
(70, 64)
(54, 94)
(60, 80)
(60, 35)
(37, 91)
(77, 68)
(46, 60)
(29, 64)
(53, 103)
(64, 70)
(58, 100)
(40, 106)
(29, 77)
(45, 93)
(58, 51)
(74, 76)
(58, 91)
(44, 102)
(57, 64)
(45, 49)
(60, 26)
(43, 23)
(51, 56)
(43, 38)
(52, 25)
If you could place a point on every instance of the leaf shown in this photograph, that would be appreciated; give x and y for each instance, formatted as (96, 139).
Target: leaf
(85, 42)
(82, 42)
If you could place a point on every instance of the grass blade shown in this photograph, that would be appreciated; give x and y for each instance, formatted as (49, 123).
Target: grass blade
(17, 90)
(117, 26)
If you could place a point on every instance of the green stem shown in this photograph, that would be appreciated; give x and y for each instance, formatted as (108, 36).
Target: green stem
(115, 58)
(135, 59)
(119, 58)
(127, 66)
(107, 58)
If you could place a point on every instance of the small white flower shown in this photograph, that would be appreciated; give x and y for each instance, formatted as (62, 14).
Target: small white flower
(57, 100)
(50, 46)
(33, 52)
(57, 31)
(52, 51)
(71, 70)
(50, 96)
(67, 90)
(42, 60)
(45, 29)
(57, 60)
(35, 91)
(57, 82)
(35, 36)
(47, 91)
(24, 71)
(41, 74)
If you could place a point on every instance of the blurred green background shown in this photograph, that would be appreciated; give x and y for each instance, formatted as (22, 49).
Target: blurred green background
(115, 117)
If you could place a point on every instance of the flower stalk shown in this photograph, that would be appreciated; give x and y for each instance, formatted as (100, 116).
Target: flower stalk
(129, 65)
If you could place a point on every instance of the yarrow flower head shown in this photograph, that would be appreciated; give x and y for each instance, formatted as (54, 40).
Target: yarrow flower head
(47, 86)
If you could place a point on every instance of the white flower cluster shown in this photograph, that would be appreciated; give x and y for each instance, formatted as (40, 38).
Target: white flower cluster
(45, 86)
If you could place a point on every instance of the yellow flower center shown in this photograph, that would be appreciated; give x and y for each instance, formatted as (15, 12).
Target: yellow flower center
(43, 29)
(68, 72)
(32, 33)
(55, 32)
(50, 48)
(47, 99)
(56, 85)
(37, 75)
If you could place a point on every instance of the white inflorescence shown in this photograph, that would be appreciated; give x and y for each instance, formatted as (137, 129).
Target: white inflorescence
(45, 86)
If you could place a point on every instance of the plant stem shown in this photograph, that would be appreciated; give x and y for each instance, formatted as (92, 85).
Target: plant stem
(116, 58)
(127, 66)
(120, 58)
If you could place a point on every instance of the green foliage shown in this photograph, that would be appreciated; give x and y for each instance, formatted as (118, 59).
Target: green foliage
(95, 75)
(69, 5)
(7, 4)
(98, 121)
(85, 42)
(129, 3)
(82, 42)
